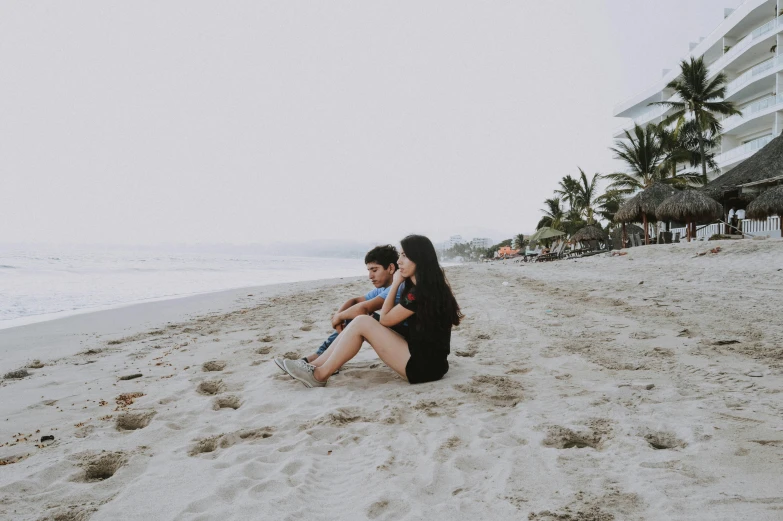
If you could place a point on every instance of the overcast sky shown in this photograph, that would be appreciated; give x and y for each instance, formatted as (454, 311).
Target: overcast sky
(252, 121)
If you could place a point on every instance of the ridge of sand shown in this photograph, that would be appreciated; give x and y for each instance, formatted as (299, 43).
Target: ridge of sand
(591, 389)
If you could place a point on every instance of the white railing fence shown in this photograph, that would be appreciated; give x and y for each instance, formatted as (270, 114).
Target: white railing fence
(769, 227)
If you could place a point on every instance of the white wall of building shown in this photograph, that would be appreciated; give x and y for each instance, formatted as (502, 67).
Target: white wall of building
(748, 48)
(454, 240)
(480, 243)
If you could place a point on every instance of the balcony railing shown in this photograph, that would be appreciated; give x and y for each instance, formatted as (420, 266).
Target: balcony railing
(748, 76)
(655, 112)
(747, 148)
(764, 29)
(740, 46)
(751, 109)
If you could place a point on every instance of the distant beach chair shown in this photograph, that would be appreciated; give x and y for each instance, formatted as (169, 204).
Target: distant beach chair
(594, 249)
(531, 254)
(553, 255)
(676, 237)
(574, 251)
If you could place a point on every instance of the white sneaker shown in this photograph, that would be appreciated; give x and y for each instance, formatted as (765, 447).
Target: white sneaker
(303, 372)
(279, 362)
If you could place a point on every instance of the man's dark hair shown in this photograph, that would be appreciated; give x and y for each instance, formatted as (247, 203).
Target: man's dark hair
(383, 255)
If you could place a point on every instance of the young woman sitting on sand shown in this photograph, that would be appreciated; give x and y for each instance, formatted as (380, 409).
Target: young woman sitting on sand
(427, 304)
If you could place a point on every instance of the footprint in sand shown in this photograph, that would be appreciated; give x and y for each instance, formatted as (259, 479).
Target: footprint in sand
(662, 440)
(447, 448)
(342, 417)
(469, 352)
(204, 445)
(17, 374)
(102, 466)
(226, 402)
(564, 438)
(224, 441)
(434, 408)
(498, 390)
(73, 513)
(131, 421)
(213, 365)
(377, 508)
(211, 387)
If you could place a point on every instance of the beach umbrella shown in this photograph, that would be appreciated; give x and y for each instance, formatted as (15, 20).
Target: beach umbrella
(590, 233)
(545, 233)
(768, 203)
(689, 206)
(649, 199)
(630, 211)
(642, 206)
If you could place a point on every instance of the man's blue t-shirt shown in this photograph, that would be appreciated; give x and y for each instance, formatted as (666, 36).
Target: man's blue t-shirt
(383, 293)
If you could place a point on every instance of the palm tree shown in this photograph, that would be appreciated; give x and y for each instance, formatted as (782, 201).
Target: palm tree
(642, 154)
(679, 145)
(573, 221)
(553, 214)
(569, 188)
(586, 196)
(700, 98)
(519, 241)
(609, 203)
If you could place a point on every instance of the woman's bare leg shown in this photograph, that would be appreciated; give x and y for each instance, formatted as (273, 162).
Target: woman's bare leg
(390, 346)
(321, 360)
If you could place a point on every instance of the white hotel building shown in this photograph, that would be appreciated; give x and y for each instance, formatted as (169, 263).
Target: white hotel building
(748, 47)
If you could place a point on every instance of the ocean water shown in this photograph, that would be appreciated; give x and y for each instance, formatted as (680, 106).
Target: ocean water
(41, 284)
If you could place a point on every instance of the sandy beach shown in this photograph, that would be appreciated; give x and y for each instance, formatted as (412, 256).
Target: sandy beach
(641, 387)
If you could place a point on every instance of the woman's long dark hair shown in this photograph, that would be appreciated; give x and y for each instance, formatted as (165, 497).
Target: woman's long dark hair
(437, 308)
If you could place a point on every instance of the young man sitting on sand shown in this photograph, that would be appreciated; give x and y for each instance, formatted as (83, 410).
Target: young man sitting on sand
(381, 264)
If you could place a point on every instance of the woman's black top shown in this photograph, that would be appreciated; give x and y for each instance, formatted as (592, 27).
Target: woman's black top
(429, 345)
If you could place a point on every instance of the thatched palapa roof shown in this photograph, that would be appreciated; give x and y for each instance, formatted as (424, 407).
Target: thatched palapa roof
(689, 205)
(630, 211)
(768, 203)
(764, 164)
(651, 197)
(590, 233)
(643, 203)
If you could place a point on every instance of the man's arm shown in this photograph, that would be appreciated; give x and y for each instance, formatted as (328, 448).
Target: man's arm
(346, 305)
(351, 302)
(365, 307)
(345, 313)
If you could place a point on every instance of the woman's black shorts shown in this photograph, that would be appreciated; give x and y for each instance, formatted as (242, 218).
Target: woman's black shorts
(420, 370)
